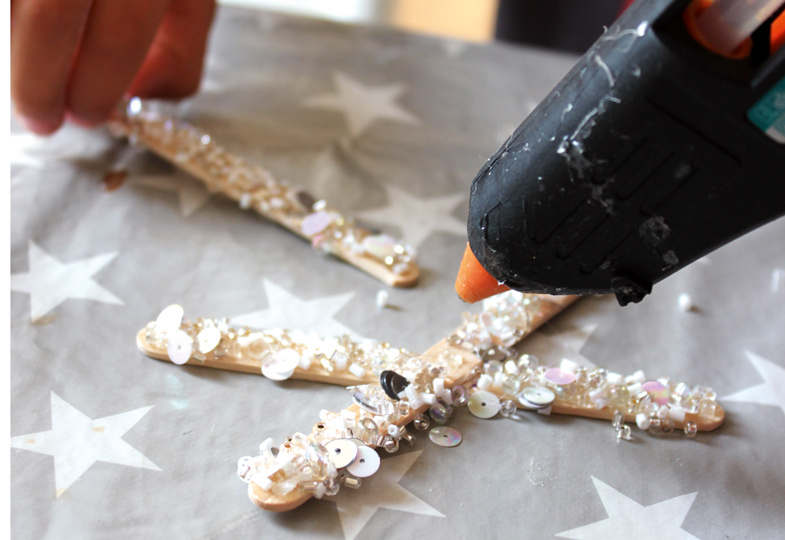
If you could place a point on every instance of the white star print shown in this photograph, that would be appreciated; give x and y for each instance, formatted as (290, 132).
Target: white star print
(191, 193)
(290, 312)
(771, 391)
(356, 507)
(76, 442)
(551, 348)
(362, 105)
(50, 282)
(628, 519)
(68, 143)
(777, 280)
(454, 47)
(418, 218)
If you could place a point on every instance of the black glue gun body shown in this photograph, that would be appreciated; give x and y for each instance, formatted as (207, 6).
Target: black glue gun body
(650, 153)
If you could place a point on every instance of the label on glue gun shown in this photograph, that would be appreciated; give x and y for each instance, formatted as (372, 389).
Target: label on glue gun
(769, 113)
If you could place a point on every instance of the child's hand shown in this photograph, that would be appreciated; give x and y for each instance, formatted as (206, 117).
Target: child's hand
(78, 57)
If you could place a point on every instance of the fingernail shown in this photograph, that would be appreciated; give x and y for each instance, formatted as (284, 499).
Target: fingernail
(39, 127)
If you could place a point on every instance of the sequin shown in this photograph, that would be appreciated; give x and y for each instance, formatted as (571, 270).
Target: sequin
(179, 347)
(445, 436)
(379, 245)
(538, 396)
(281, 365)
(658, 392)
(208, 339)
(526, 404)
(169, 319)
(366, 463)
(342, 452)
(559, 376)
(315, 223)
(484, 404)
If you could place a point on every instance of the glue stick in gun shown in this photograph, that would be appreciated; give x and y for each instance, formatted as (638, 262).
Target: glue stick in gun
(664, 142)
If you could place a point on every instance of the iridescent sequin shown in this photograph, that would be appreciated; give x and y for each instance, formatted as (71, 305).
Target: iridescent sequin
(445, 436)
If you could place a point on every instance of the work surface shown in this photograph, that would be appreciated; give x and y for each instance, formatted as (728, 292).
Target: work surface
(390, 128)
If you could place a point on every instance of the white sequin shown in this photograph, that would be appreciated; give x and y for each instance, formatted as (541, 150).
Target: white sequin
(366, 463)
(484, 404)
(208, 339)
(179, 347)
(169, 319)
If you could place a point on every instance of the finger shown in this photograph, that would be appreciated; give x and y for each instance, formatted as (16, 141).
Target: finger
(44, 38)
(115, 42)
(173, 67)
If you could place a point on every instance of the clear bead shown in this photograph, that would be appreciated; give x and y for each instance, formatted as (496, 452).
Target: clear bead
(511, 384)
(624, 433)
(493, 367)
(368, 431)
(403, 408)
(690, 429)
(422, 422)
(284, 488)
(508, 408)
(528, 361)
(618, 419)
(389, 444)
(581, 376)
(667, 426)
(460, 396)
(333, 486)
(440, 413)
(352, 482)
(318, 457)
(707, 408)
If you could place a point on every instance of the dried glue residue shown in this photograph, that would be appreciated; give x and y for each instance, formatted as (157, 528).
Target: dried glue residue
(632, 33)
(114, 179)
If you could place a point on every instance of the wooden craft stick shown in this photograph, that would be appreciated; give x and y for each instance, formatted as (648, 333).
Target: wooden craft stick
(550, 307)
(455, 360)
(381, 256)
(463, 374)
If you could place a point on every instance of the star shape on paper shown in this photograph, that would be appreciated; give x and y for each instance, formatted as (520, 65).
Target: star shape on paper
(418, 217)
(777, 280)
(289, 311)
(67, 144)
(356, 507)
(363, 105)
(771, 391)
(77, 441)
(629, 519)
(551, 348)
(454, 47)
(50, 282)
(191, 193)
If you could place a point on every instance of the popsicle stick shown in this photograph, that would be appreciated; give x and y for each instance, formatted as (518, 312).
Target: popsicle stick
(194, 151)
(703, 423)
(275, 503)
(281, 503)
(550, 306)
